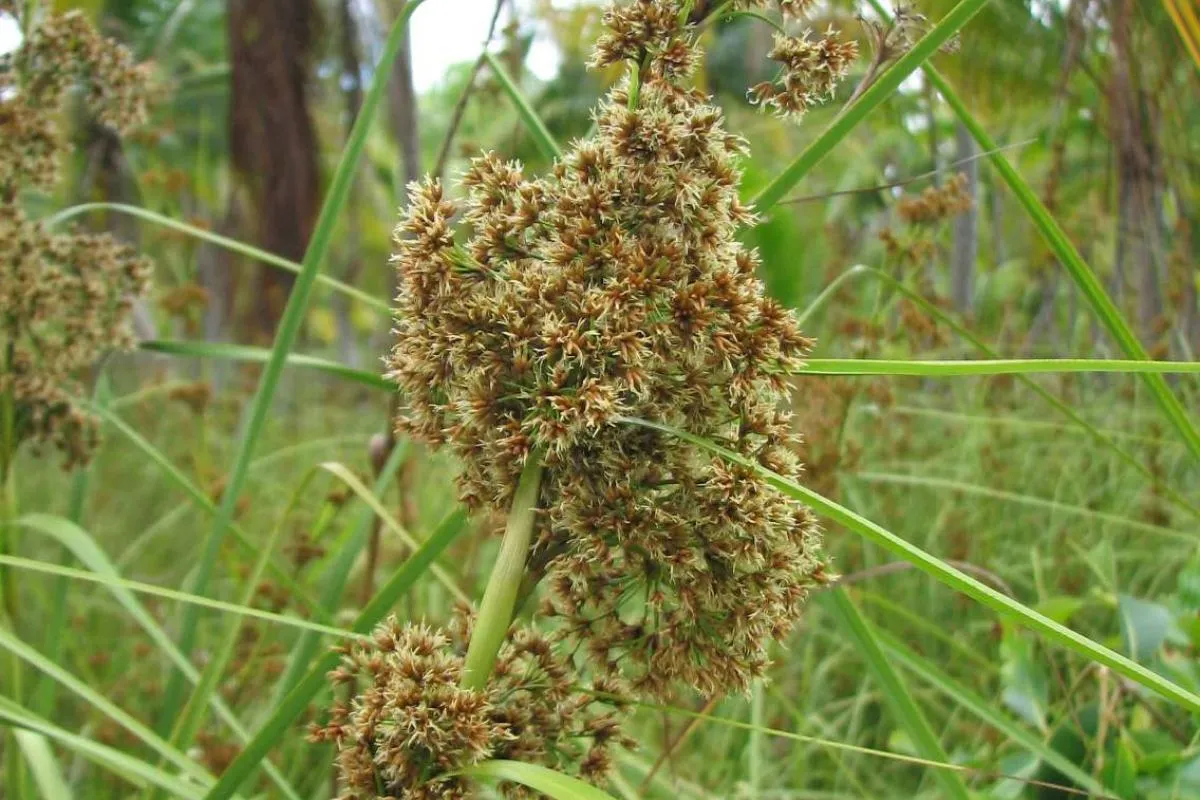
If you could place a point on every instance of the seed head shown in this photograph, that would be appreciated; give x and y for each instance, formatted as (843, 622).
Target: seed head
(63, 52)
(410, 724)
(812, 70)
(65, 301)
(616, 286)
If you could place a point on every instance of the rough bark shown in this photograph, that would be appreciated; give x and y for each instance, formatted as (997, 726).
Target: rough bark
(1139, 246)
(272, 139)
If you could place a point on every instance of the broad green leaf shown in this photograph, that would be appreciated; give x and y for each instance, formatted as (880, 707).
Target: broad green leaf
(1144, 626)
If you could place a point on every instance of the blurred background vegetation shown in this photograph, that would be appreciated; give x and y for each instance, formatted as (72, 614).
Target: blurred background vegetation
(1093, 101)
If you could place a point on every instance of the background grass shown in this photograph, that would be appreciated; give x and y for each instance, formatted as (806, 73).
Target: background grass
(892, 685)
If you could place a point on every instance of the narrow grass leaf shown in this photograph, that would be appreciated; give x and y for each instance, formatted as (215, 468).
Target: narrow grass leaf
(292, 705)
(112, 582)
(1064, 250)
(233, 245)
(285, 337)
(880, 90)
(1054, 506)
(47, 774)
(200, 498)
(261, 355)
(533, 123)
(948, 575)
(1171, 493)
(336, 576)
(134, 770)
(905, 709)
(540, 779)
(391, 523)
(1004, 366)
(98, 701)
(84, 548)
(193, 715)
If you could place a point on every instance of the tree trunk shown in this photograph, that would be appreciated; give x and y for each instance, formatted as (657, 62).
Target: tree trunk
(272, 140)
(966, 227)
(347, 344)
(1139, 247)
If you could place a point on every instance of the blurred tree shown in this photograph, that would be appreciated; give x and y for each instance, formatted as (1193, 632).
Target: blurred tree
(272, 140)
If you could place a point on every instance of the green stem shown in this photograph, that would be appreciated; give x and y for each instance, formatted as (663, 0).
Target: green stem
(500, 597)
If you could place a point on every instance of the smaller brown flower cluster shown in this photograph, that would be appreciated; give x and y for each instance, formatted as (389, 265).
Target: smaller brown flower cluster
(65, 299)
(648, 32)
(812, 70)
(812, 67)
(937, 203)
(411, 725)
(61, 53)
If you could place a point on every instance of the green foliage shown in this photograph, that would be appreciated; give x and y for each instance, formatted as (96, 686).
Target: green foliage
(1052, 655)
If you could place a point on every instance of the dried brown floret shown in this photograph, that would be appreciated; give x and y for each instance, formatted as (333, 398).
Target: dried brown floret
(65, 301)
(410, 724)
(61, 53)
(812, 70)
(937, 203)
(616, 286)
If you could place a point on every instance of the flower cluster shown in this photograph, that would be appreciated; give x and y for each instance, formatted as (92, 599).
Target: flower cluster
(64, 299)
(63, 52)
(812, 70)
(412, 726)
(616, 287)
(937, 203)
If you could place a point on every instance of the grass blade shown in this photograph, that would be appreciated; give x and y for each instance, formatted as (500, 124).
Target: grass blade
(47, 774)
(391, 523)
(193, 714)
(261, 355)
(112, 582)
(336, 576)
(293, 704)
(981, 708)
(1025, 500)
(93, 698)
(899, 699)
(1002, 366)
(285, 337)
(200, 498)
(948, 575)
(541, 137)
(134, 770)
(536, 777)
(1106, 310)
(233, 245)
(880, 90)
(84, 548)
(1171, 493)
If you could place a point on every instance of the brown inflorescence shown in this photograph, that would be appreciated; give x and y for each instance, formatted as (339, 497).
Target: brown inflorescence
(65, 299)
(616, 287)
(812, 70)
(410, 725)
(62, 53)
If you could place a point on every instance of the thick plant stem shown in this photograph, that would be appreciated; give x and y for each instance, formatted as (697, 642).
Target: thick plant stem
(500, 597)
